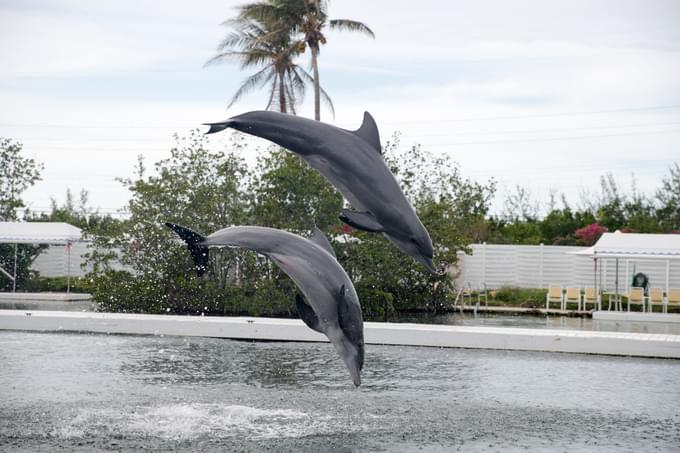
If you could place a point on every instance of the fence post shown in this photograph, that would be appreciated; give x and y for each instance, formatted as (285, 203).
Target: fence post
(540, 266)
(515, 258)
(484, 262)
(14, 282)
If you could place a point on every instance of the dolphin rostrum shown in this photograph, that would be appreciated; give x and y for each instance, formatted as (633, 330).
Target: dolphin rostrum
(353, 163)
(311, 264)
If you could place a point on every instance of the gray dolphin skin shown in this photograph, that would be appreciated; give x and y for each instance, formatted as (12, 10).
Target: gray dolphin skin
(311, 264)
(353, 163)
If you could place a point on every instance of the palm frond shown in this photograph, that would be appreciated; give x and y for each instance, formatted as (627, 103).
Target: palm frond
(259, 78)
(350, 25)
(327, 100)
(266, 35)
(291, 100)
(309, 79)
(297, 83)
(246, 59)
(272, 93)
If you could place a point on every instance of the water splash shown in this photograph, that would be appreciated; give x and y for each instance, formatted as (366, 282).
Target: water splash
(188, 421)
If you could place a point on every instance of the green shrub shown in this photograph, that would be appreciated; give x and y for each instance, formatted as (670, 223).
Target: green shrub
(36, 284)
(520, 297)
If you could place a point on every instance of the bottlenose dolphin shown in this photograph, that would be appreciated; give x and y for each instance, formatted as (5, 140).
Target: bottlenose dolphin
(353, 163)
(311, 264)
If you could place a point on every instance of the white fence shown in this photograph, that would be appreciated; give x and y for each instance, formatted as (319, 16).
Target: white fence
(54, 262)
(537, 266)
(525, 266)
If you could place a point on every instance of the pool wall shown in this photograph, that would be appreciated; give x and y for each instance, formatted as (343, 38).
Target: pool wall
(635, 316)
(247, 328)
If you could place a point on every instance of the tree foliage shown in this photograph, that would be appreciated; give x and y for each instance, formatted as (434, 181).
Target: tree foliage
(17, 173)
(288, 194)
(612, 210)
(206, 191)
(264, 43)
(273, 33)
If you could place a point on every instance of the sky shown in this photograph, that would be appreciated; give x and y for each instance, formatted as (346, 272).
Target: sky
(546, 95)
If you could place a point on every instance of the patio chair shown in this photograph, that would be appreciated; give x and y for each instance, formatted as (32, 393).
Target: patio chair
(636, 296)
(573, 294)
(672, 298)
(591, 296)
(554, 295)
(655, 297)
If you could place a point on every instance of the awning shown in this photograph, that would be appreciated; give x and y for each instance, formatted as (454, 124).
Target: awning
(38, 233)
(634, 245)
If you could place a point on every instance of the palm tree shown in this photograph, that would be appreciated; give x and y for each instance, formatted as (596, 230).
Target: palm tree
(262, 43)
(309, 18)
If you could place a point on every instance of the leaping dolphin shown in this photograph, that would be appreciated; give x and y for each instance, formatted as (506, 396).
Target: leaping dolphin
(311, 264)
(353, 163)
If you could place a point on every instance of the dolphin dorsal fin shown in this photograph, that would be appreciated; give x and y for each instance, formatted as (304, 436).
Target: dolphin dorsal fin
(321, 240)
(369, 132)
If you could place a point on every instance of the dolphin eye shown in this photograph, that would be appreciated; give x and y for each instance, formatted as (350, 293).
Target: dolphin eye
(414, 240)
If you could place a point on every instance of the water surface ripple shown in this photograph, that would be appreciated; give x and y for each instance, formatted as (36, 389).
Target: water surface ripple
(87, 392)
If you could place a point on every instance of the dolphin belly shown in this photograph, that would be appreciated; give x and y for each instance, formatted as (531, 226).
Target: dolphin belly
(321, 164)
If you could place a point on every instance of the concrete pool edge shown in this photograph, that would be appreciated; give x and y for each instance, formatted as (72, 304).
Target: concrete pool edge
(635, 316)
(402, 334)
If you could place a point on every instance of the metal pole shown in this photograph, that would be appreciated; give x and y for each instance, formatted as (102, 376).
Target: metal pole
(602, 264)
(616, 285)
(14, 283)
(68, 272)
(540, 269)
(597, 291)
(484, 262)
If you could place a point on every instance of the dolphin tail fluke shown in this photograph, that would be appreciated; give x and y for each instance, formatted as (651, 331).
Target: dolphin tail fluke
(217, 127)
(199, 253)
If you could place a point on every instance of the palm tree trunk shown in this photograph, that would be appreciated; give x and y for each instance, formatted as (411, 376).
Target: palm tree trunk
(317, 85)
(282, 94)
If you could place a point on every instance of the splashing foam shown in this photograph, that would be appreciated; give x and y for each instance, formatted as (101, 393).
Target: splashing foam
(193, 420)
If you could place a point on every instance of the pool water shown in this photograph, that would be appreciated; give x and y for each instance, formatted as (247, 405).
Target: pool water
(85, 392)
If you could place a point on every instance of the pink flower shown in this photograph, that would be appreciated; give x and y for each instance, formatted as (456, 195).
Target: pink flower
(589, 234)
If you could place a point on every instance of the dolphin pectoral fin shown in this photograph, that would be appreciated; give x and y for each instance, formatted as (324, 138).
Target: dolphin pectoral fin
(362, 221)
(321, 240)
(199, 253)
(217, 127)
(369, 132)
(307, 314)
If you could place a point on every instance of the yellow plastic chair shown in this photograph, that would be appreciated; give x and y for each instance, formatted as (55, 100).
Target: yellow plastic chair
(636, 296)
(573, 295)
(591, 296)
(655, 297)
(554, 295)
(672, 298)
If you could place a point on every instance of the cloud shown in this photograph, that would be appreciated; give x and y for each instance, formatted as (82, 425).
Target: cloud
(78, 62)
(87, 41)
